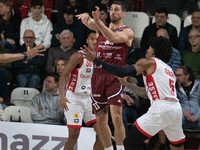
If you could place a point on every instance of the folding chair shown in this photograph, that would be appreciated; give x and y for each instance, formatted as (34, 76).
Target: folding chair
(187, 21)
(137, 21)
(174, 20)
(23, 96)
(18, 114)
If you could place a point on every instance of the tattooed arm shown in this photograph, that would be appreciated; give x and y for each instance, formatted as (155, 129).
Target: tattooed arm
(140, 91)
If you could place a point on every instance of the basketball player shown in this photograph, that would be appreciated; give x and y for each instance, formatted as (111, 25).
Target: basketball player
(113, 43)
(165, 112)
(77, 104)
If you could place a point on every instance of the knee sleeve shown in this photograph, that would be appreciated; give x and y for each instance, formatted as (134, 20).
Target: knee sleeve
(176, 145)
(134, 137)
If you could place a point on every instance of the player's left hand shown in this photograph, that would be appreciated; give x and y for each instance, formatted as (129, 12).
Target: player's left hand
(89, 55)
(63, 103)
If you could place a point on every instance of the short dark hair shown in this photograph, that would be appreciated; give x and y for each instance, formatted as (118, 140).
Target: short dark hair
(102, 7)
(69, 10)
(34, 3)
(161, 10)
(56, 76)
(188, 70)
(121, 4)
(89, 32)
(196, 10)
(162, 48)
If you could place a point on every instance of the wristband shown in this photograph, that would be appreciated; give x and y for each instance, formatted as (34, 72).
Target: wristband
(25, 55)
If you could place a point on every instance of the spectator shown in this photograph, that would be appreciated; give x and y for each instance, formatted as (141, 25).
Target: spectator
(188, 91)
(161, 16)
(65, 50)
(175, 60)
(45, 106)
(191, 58)
(69, 22)
(28, 72)
(39, 23)
(58, 68)
(9, 26)
(184, 43)
(25, 9)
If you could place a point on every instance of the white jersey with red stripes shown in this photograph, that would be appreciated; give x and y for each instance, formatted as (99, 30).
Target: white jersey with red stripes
(160, 85)
(80, 78)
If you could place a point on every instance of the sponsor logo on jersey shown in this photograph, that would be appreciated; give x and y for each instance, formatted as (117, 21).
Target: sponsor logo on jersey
(85, 76)
(96, 95)
(119, 101)
(88, 70)
(83, 87)
(76, 115)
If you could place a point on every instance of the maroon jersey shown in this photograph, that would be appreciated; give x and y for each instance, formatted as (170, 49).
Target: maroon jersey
(113, 53)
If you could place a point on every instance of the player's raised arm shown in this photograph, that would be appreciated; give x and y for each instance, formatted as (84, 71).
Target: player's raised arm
(87, 21)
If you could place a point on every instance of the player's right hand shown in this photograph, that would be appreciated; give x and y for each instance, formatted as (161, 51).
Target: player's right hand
(63, 103)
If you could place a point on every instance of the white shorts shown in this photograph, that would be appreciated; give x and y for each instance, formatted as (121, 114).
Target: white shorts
(80, 109)
(163, 115)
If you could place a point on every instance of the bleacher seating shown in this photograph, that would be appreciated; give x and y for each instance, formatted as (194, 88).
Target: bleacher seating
(187, 21)
(137, 21)
(22, 96)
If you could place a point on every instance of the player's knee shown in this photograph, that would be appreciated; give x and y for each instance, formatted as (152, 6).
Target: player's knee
(176, 145)
(134, 137)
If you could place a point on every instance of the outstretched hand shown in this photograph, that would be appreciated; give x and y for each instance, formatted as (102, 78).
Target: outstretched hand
(35, 51)
(89, 55)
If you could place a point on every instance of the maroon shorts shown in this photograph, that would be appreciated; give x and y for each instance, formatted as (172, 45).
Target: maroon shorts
(106, 89)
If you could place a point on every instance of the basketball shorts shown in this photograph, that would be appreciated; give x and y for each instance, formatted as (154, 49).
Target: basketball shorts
(163, 115)
(80, 109)
(106, 89)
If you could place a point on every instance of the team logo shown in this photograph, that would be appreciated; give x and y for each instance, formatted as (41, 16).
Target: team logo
(76, 115)
(88, 70)
(83, 87)
(76, 120)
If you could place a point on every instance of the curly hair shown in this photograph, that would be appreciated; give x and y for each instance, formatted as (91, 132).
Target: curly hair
(162, 48)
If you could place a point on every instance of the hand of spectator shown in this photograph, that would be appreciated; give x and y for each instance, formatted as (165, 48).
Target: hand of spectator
(84, 17)
(40, 111)
(35, 51)
(187, 114)
(63, 103)
(128, 99)
(2, 35)
(89, 55)
(10, 41)
(57, 36)
(95, 13)
(1, 100)
(193, 118)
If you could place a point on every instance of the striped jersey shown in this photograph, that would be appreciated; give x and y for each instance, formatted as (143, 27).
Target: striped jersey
(80, 78)
(160, 85)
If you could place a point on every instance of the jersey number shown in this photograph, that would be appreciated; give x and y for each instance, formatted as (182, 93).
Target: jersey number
(171, 85)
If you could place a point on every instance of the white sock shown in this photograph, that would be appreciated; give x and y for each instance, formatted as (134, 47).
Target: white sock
(109, 148)
(120, 147)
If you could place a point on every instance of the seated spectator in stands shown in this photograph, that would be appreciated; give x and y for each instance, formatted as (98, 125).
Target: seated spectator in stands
(25, 10)
(191, 57)
(69, 22)
(45, 106)
(175, 60)
(188, 92)
(161, 16)
(9, 26)
(29, 71)
(184, 43)
(64, 51)
(39, 23)
(58, 68)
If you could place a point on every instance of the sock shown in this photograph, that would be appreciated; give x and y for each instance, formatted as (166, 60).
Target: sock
(109, 148)
(120, 147)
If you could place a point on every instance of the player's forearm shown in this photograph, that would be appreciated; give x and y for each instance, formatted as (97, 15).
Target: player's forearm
(116, 70)
(62, 85)
(140, 91)
(107, 33)
(5, 58)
